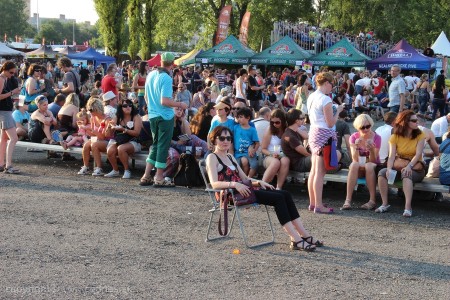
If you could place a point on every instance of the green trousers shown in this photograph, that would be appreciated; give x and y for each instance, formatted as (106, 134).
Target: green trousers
(162, 131)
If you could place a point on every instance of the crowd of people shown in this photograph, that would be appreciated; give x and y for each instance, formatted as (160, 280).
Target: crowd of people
(318, 39)
(256, 126)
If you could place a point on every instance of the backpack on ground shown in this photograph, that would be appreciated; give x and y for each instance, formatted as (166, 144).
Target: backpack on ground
(188, 173)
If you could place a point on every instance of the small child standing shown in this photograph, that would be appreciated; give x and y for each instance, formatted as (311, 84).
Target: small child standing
(79, 138)
(244, 137)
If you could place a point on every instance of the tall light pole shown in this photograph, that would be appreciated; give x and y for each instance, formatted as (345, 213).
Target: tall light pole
(73, 33)
(37, 16)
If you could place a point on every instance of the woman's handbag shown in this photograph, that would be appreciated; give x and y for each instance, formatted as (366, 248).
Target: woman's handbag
(226, 197)
(330, 155)
(401, 163)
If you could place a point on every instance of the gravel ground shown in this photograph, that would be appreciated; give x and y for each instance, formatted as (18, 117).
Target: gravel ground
(77, 237)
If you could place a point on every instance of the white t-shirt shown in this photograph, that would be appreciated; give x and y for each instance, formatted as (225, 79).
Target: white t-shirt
(409, 82)
(363, 82)
(261, 125)
(315, 103)
(238, 92)
(360, 101)
(440, 126)
(385, 132)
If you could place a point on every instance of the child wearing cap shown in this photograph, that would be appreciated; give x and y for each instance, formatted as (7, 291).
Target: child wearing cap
(21, 116)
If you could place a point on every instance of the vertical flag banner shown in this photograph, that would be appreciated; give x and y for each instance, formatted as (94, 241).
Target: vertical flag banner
(223, 24)
(243, 33)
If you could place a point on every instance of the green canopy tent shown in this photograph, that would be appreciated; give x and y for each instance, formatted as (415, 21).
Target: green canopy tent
(231, 51)
(188, 59)
(284, 52)
(341, 54)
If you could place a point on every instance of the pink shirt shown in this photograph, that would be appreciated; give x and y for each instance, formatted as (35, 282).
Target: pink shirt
(362, 150)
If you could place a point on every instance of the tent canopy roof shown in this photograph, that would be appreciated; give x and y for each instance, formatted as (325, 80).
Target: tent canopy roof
(154, 61)
(229, 51)
(404, 55)
(341, 54)
(441, 45)
(6, 51)
(283, 52)
(43, 52)
(91, 54)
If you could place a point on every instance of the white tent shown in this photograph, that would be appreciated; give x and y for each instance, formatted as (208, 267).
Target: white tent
(441, 45)
(6, 51)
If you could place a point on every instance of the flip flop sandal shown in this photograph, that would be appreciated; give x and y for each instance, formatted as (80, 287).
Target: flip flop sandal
(11, 170)
(382, 209)
(145, 181)
(310, 240)
(407, 213)
(163, 183)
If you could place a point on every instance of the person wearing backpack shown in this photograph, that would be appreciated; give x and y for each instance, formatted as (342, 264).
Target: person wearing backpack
(444, 164)
(71, 80)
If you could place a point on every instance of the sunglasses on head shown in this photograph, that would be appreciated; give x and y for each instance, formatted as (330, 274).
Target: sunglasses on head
(275, 122)
(223, 138)
(413, 120)
(365, 127)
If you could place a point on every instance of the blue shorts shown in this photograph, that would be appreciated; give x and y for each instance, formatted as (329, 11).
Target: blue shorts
(253, 161)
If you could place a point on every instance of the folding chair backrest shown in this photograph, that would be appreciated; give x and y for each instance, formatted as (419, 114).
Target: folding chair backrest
(202, 166)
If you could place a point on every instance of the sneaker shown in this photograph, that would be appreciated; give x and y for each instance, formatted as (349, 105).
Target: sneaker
(83, 171)
(112, 174)
(97, 172)
(126, 174)
(11, 170)
(382, 209)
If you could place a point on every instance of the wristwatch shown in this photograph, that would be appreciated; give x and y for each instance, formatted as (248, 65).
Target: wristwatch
(411, 166)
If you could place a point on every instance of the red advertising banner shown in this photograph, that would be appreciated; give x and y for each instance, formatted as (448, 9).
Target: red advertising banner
(223, 24)
(243, 33)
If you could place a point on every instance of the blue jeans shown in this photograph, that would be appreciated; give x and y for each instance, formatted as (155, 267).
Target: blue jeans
(395, 108)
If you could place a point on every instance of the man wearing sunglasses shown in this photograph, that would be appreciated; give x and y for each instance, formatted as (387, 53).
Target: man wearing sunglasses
(158, 95)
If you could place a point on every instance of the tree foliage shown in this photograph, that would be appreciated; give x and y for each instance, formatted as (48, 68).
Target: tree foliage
(112, 24)
(418, 21)
(13, 19)
(56, 32)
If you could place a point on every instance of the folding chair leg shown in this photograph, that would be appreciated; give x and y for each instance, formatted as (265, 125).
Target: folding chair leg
(208, 238)
(244, 236)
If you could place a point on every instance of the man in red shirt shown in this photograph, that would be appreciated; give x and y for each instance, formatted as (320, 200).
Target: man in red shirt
(109, 82)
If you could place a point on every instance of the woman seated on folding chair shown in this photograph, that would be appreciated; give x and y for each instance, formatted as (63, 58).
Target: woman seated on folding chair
(224, 172)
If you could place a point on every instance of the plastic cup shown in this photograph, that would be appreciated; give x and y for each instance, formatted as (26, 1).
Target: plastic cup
(41, 81)
(189, 149)
(362, 160)
(60, 84)
(392, 174)
(198, 151)
(276, 149)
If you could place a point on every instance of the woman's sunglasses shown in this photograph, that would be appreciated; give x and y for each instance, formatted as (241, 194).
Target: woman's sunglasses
(223, 138)
(365, 127)
(275, 122)
(126, 105)
(413, 120)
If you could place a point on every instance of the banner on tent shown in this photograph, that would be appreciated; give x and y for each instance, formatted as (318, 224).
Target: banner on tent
(223, 24)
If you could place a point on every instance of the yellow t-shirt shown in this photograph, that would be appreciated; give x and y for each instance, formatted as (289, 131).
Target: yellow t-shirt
(406, 147)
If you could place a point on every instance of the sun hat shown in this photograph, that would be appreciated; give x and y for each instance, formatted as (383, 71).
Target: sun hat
(108, 96)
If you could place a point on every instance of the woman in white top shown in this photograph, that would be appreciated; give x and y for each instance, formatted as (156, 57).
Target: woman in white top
(302, 94)
(241, 86)
(275, 162)
(323, 118)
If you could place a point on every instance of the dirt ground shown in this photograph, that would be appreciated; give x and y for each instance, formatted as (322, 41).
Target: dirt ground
(65, 236)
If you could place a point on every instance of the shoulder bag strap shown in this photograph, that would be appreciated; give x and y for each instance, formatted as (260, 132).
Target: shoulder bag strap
(76, 81)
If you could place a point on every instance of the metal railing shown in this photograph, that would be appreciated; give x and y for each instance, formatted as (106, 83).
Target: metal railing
(316, 39)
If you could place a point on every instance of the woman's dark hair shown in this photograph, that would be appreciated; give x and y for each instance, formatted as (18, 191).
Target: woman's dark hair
(33, 68)
(242, 72)
(8, 65)
(401, 124)
(119, 113)
(303, 79)
(143, 68)
(292, 116)
(217, 132)
(98, 84)
(280, 114)
(202, 113)
(200, 88)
